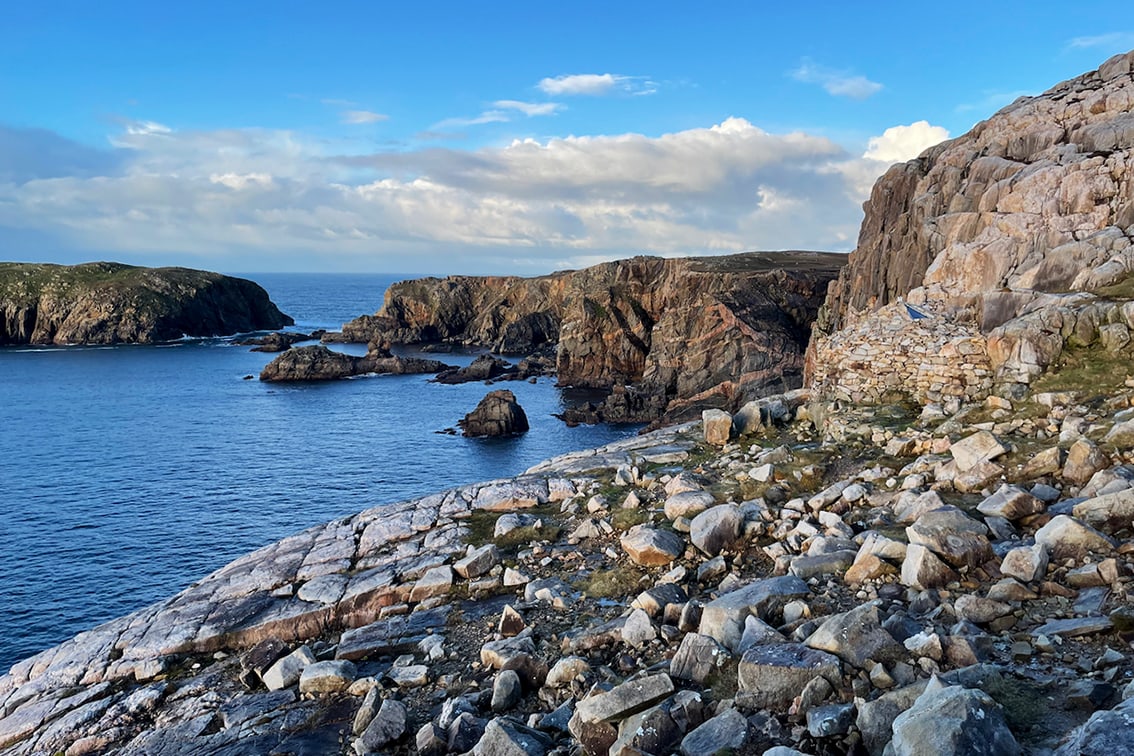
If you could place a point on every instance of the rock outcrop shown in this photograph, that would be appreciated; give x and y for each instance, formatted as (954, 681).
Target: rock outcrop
(719, 330)
(985, 235)
(318, 363)
(497, 414)
(111, 303)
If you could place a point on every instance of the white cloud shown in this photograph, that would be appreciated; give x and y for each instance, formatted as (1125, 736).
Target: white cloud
(488, 116)
(529, 108)
(1120, 40)
(901, 143)
(836, 82)
(363, 117)
(143, 128)
(596, 84)
(255, 194)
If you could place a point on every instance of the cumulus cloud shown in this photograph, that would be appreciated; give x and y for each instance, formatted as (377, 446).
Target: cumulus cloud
(836, 82)
(596, 85)
(900, 143)
(356, 117)
(251, 195)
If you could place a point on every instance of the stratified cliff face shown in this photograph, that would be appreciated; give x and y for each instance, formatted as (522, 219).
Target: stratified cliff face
(1039, 197)
(111, 303)
(674, 327)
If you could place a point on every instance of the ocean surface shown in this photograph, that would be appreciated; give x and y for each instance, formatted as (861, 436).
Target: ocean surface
(126, 473)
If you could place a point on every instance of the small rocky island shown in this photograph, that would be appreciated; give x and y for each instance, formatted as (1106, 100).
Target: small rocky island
(929, 549)
(112, 303)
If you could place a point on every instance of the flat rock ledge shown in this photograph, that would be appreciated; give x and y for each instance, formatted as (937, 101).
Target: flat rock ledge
(869, 582)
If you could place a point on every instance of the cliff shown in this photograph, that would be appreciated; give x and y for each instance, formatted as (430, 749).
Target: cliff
(674, 328)
(111, 303)
(1038, 197)
(1012, 237)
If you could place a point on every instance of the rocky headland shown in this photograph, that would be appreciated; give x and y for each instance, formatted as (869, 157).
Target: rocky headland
(929, 549)
(111, 303)
(676, 335)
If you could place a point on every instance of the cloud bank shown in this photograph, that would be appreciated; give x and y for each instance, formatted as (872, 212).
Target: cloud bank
(250, 197)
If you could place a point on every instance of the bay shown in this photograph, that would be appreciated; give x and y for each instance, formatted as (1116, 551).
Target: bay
(128, 472)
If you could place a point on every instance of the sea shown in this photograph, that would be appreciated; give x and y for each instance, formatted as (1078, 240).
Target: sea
(128, 472)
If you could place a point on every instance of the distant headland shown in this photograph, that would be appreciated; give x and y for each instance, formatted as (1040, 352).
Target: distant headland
(112, 303)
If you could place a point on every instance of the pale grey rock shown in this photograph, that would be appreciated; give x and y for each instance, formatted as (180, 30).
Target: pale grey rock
(638, 630)
(477, 562)
(1025, 563)
(980, 447)
(952, 720)
(437, 581)
(726, 731)
(856, 637)
(808, 566)
(552, 591)
(1110, 512)
(685, 481)
(980, 610)
(772, 675)
(1084, 459)
(367, 710)
(1074, 627)
(652, 547)
(830, 720)
(625, 699)
(1011, 503)
(952, 535)
(912, 505)
(922, 569)
(876, 717)
(510, 521)
(651, 731)
(325, 589)
(757, 632)
(688, 504)
(1066, 538)
(697, 657)
(327, 677)
(716, 529)
(567, 669)
(503, 737)
(723, 618)
(409, 676)
(654, 600)
(285, 672)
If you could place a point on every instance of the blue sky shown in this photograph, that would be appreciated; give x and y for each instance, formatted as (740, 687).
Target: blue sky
(487, 138)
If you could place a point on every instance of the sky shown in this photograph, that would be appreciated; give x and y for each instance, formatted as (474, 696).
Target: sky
(503, 137)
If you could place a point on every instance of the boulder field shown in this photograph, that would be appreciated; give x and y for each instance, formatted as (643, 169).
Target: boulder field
(111, 303)
(880, 580)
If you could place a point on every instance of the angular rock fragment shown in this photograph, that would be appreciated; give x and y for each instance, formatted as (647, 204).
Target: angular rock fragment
(652, 547)
(723, 618)
(773, 675)
(727, 731)
(623, 700)
(952, 720)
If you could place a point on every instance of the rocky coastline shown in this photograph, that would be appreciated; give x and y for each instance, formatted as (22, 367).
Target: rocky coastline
(111, 303)
(929, 549)
(682, 334)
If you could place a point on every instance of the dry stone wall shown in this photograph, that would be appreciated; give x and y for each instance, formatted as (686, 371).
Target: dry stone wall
(895, 354)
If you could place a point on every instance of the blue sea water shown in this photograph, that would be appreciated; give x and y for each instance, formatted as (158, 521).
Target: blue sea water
(128, 472)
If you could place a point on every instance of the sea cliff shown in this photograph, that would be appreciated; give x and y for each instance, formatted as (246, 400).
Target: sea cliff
(719, 329)
(111, 303)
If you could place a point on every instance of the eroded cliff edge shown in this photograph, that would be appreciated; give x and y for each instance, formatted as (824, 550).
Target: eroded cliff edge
(112, 303)
(733, 326)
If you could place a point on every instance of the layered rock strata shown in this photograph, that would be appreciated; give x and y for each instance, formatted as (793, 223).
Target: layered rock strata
(111, 303)
(735, 326)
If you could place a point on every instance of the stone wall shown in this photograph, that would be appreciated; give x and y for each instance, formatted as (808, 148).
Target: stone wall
(892, 353)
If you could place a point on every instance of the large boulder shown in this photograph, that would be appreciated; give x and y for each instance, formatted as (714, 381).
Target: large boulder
(952, 721)
(498, 414)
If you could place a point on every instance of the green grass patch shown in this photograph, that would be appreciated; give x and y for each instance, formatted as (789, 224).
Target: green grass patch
(617, 582)
(624, 519)
(1092, 371)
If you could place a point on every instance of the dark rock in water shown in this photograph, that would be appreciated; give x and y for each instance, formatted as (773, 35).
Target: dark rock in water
(111, 303)
(485, 367)
(498, 414)
(624, 404)
(318, 363)
(275, 342)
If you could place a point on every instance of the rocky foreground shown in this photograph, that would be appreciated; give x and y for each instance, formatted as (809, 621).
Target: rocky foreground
(919, 579)
(111, 303)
